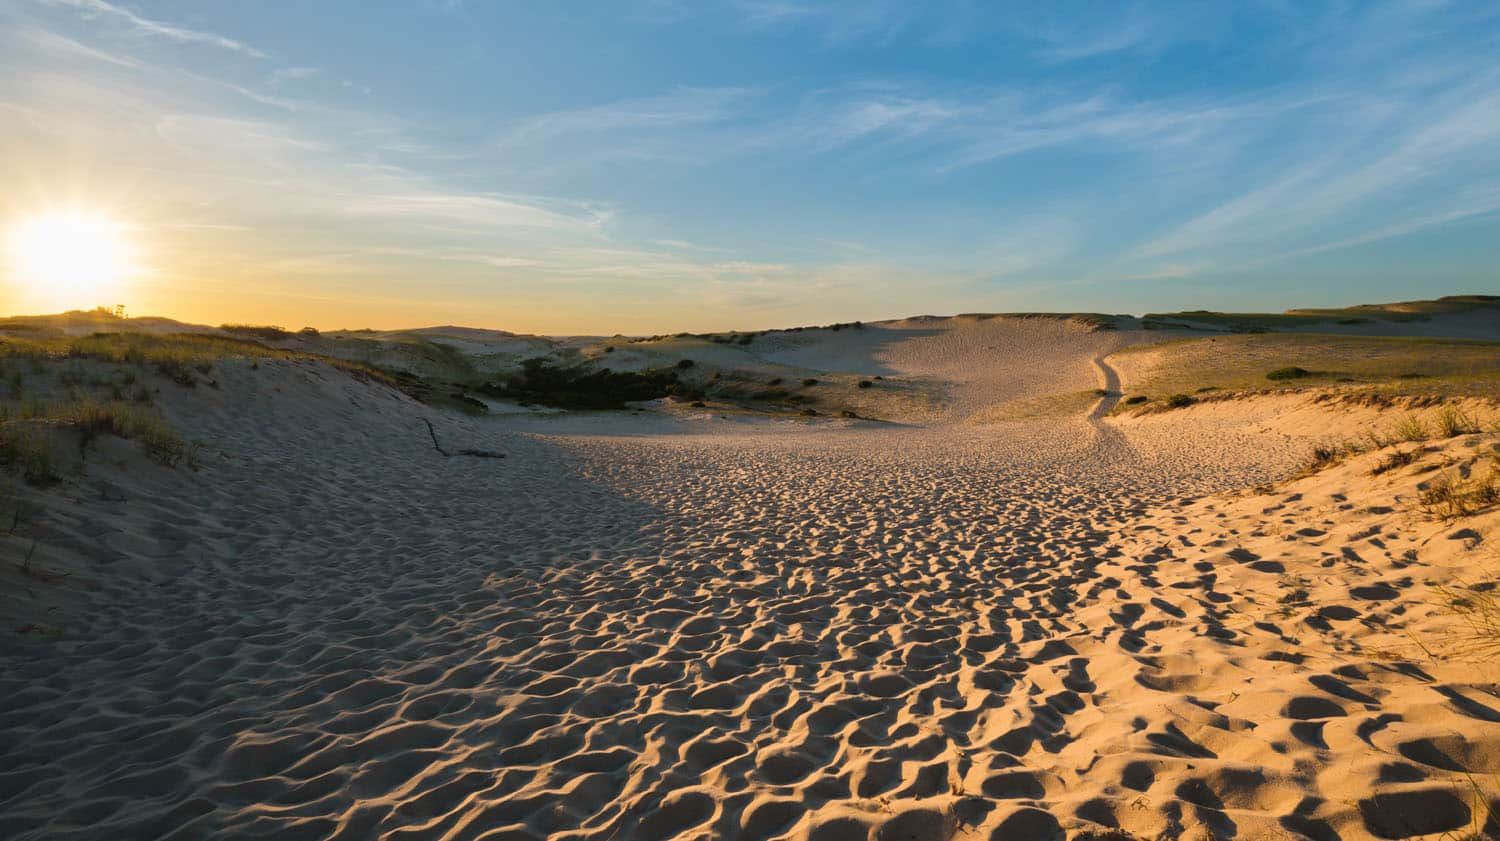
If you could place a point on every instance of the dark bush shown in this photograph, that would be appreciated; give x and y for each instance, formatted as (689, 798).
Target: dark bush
(265, 332)
(1178, 401)
(684, 364)
(865, 384)
(546, 384)
(1288, 373)
(809, 382)
(1136, 400)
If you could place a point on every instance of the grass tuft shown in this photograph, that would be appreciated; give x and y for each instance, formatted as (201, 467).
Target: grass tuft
(1478, 612)
(1449, 496)
(1396, 459)
(29, 451)
(1410, 428)
(1453, 421)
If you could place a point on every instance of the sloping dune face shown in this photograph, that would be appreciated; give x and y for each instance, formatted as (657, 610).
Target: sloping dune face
(988, 362)
(978, 628)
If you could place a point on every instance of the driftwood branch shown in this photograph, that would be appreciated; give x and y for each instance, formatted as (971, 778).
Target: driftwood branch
(432, 431)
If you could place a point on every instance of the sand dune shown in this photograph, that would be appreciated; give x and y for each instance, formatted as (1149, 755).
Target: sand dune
(687, 625)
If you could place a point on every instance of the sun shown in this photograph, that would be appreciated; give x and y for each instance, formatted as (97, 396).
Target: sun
(69, 259)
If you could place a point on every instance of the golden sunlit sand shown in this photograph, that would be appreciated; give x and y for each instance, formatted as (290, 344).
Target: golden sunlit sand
(938, 578)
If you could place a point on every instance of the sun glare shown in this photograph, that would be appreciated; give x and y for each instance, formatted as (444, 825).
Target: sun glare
(69, 260)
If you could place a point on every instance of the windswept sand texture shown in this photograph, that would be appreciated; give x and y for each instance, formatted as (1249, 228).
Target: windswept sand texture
(686, 625)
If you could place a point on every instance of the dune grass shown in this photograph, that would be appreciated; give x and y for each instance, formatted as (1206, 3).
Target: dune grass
(28, 451)
(27, 433)
(1451, 496)
(176, 355)
(1257, 362)
(1444, 498)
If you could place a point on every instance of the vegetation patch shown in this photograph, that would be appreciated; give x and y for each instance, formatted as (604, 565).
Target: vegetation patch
(176, 355)
(1289, 373)
(263, 332)
(26, 433)
(28, 451)
(1450, 496)
(582, 387)
(1387, 365)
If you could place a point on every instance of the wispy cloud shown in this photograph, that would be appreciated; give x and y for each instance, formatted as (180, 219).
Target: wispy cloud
(668, 111)
(1394, 142)
(157, 28)
(478, 210)
(64, 46)
(283, 75)
(773, 12)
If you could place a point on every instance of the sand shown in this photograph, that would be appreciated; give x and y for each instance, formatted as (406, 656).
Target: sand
(682, 624)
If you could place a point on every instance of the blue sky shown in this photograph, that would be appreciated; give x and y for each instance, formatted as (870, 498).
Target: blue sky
(661, 165)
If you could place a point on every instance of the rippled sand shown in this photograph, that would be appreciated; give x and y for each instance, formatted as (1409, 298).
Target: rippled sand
(713, 628)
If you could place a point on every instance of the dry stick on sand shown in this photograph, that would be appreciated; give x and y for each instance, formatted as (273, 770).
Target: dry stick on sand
(445, 454)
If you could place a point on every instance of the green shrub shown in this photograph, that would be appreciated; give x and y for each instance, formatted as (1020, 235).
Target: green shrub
(1179, 401)
(544, 383)
(1136, 400)
(1288, 373)
(268, 333)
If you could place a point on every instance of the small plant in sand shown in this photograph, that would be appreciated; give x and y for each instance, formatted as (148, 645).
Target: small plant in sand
(1450, 496)
(865, 384)
(1410, 428)
(1453, 421)
(29, 451)
(1394, 460)
(1180, 401)
(1477, 609)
